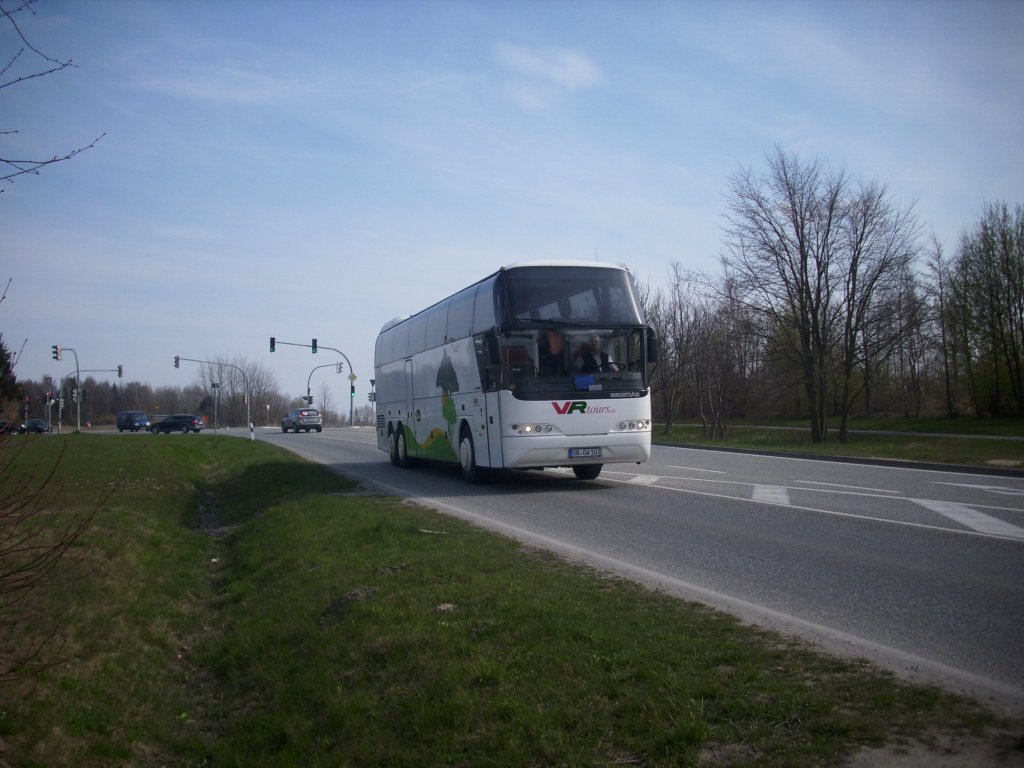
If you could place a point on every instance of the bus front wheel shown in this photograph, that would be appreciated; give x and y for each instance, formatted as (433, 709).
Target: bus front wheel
(587, 471)
(472, 473)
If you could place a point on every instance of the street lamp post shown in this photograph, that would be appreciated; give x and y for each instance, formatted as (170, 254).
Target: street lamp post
(309, 379)
(215, 385)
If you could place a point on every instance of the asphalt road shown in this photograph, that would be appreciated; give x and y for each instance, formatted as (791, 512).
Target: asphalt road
(920, 571)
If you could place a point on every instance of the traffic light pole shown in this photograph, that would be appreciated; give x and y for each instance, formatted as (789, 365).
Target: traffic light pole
(58, 354)
(314, 347)
(248, 396)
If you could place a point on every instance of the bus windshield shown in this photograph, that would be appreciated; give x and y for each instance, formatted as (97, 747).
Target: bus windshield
(539, 363)
(584, 295)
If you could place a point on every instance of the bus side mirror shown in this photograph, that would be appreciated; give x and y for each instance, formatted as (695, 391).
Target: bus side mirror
(652, 346)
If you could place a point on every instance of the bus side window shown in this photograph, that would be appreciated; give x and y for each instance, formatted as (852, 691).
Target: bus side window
(519, 359)
(488, 359)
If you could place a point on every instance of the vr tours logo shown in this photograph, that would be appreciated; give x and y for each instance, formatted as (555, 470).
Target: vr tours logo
(579, 406)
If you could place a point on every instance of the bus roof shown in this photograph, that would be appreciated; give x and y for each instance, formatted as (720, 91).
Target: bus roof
(562, 263)
(553, 263)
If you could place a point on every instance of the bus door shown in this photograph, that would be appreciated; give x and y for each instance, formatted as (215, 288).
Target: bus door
(488, 356)
(410, 413)
(492, 413)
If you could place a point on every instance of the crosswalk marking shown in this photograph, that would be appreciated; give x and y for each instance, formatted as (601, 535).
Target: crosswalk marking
(972, 518)
(773, 494)
(644, 479)
(1001, 490)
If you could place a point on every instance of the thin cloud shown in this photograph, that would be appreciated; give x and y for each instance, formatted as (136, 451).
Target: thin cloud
(229, 84)
(560, 67)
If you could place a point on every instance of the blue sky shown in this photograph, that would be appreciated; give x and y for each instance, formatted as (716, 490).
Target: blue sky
(313, 169)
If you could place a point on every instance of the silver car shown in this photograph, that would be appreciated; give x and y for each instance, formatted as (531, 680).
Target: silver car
(302, 418)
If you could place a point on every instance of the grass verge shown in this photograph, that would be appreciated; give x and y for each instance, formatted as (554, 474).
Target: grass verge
(965, 442)
(242, 607)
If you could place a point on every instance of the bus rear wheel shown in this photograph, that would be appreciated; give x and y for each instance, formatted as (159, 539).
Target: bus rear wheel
(404, 460)
(393, 448)
(587, 471)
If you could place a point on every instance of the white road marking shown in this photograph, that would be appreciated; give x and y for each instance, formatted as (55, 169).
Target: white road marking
(771, 494)
(644, 479)
(698, 469)
(606, 476)
(972, 518)
(880, 467)
(1000, 489)
(837, 485)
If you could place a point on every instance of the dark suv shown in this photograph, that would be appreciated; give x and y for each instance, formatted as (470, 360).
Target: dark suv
(302, 418)
(179, 422)
(132, 421)
(35, 426)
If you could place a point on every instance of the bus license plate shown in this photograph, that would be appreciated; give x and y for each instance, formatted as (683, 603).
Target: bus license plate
(584, 453)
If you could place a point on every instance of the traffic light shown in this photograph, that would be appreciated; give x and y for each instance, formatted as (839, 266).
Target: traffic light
(177, 361)
(273, 344)
(58, 353)
(314, 346)
(120, 371)
(309, 399)
(341, 367)
(351, 390)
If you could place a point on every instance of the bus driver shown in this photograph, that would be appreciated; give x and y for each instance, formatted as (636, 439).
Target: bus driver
(591, 359)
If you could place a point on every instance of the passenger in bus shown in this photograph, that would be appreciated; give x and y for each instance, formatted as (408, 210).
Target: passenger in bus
(552, 357)
(592, 359)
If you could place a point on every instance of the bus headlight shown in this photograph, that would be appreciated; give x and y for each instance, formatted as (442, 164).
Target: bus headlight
(635, 426)
(532, 429)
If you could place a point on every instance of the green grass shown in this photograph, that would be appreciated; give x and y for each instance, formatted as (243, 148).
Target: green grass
(966, 442)
(310, 626)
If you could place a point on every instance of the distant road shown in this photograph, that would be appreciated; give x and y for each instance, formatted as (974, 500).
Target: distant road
(921, 571)
(894, 432)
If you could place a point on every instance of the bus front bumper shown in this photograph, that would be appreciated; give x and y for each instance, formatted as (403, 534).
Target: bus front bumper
(542, 451)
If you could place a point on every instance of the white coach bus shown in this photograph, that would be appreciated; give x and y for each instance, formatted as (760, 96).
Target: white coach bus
(538, 365)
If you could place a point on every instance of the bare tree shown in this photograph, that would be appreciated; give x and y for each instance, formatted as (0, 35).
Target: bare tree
(812, 255)
(783, 236)
(326, 402)
(26, 64)
(878, 247)
(237, 378)
(938, 294)
(727, 352)
(669, 314)
(987, 303)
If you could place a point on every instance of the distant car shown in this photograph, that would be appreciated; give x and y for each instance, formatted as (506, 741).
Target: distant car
(179, 422)
(133, 421)
(302, 418)
(38, 426)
